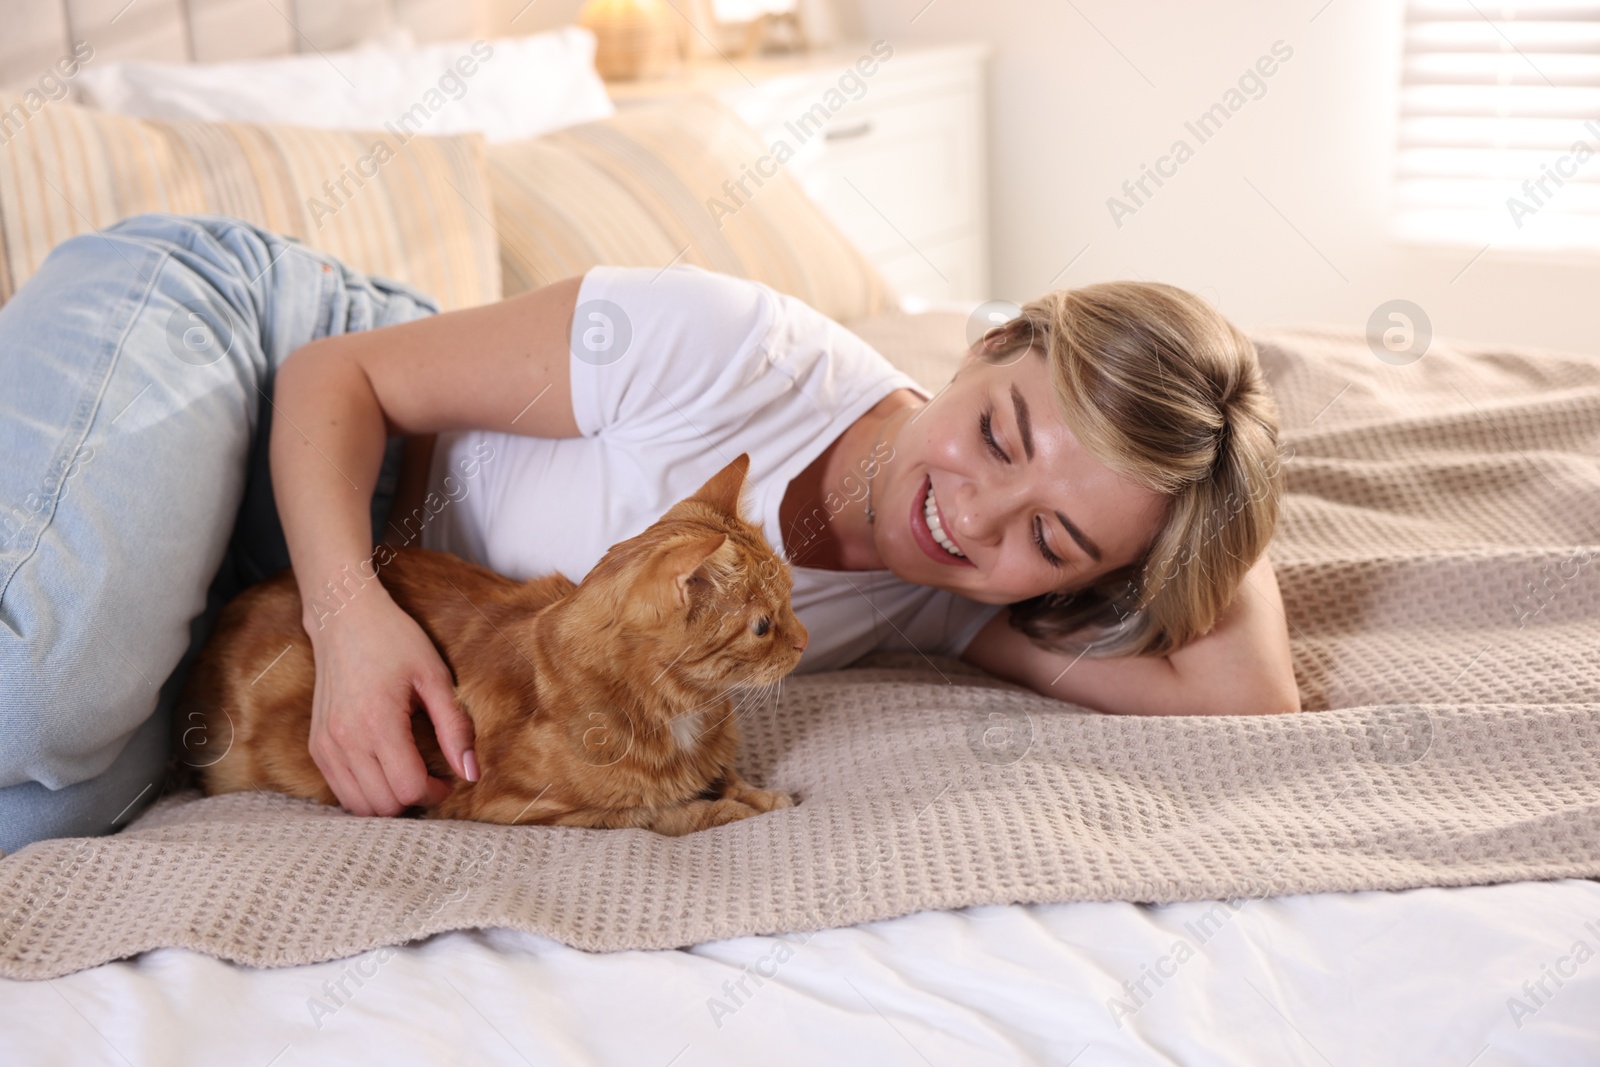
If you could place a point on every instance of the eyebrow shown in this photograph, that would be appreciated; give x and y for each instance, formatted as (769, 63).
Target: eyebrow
(1024, 428)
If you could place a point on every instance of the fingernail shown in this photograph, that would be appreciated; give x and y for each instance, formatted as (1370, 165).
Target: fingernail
(469, 763)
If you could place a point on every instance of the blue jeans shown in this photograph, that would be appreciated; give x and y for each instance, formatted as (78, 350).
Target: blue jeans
(136, 373)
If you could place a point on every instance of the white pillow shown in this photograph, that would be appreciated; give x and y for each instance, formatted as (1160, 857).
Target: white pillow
(508, 88)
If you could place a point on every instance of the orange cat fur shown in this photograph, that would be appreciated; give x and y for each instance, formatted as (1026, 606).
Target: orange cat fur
(607, 704)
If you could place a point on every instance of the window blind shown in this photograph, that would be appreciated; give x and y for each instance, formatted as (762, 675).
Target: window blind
(1499, 132)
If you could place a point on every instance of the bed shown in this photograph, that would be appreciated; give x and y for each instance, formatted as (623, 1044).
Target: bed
(1417, 977)
(1444, 913)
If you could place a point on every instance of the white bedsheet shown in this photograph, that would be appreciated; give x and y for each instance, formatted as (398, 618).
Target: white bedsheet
(1349, 980)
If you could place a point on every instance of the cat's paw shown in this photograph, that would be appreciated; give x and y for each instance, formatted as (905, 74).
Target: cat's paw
(721, 812)
(765, 800)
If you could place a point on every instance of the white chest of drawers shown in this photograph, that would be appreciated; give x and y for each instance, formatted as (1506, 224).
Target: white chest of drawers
(896, 157)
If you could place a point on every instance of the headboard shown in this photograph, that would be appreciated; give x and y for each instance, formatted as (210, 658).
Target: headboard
(39, 32)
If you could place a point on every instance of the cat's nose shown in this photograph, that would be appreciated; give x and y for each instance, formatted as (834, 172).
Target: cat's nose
(799, 641)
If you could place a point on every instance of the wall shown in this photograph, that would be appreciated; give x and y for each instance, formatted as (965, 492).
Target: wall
(1280, 217)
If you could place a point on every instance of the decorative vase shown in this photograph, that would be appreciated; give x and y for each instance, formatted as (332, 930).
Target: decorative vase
(633, 38)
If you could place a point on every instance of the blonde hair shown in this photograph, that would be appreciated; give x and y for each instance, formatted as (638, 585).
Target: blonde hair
(1161, 388)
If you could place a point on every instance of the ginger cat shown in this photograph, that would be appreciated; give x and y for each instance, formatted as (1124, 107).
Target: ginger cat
(607, 704)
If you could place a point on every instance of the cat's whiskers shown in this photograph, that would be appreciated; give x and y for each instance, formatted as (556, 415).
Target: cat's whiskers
(749, 690)
(735, 712)
(767, 690)
(695, 709)
(770, 688)
(744, 700)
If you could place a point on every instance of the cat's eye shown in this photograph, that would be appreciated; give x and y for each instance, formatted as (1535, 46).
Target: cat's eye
(762, 626)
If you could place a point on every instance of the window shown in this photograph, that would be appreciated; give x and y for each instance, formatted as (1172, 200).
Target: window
(1499, 141)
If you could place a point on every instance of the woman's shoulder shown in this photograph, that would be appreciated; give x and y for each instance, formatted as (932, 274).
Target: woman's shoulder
(690, 322)
(684, 290)
(713, 299)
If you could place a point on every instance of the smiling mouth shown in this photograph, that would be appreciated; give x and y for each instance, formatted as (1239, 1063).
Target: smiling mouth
(928, 529)
(930, 513)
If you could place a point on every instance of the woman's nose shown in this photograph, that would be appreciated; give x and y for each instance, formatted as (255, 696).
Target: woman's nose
(985, 513)
(976, 517)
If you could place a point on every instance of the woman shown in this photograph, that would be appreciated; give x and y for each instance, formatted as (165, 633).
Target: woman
(1106, 463)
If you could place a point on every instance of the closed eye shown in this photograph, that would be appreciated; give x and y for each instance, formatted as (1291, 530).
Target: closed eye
(986, 428)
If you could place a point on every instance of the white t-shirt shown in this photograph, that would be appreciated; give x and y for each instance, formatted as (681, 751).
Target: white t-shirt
(687, 369)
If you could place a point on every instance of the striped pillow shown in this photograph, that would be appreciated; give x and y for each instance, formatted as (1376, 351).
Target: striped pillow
(638, 189)
(417, 211)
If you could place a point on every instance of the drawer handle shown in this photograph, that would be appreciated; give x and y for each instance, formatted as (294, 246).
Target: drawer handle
(846, 133)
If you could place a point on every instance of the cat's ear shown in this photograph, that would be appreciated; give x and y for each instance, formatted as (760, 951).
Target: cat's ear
(722, 490)
(680, 564)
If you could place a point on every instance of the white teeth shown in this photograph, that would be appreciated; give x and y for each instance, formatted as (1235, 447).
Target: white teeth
(931, 512)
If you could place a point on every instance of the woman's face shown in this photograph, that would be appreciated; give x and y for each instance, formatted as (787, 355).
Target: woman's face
(996, 506)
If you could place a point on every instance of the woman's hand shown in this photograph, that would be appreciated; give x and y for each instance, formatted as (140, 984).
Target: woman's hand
(373, 662)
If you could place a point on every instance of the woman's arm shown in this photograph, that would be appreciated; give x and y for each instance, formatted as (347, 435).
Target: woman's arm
(334, 402)
(1242, 667)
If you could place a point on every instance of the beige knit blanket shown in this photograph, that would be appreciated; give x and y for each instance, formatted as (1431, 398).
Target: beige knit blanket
(1438, 565)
